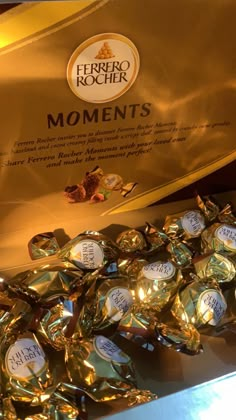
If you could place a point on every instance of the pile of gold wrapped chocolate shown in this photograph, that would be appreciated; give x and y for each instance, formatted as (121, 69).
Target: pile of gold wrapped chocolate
(153, 286)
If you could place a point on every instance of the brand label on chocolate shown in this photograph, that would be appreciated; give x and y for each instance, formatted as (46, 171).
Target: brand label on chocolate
(211, 306)
(227, 235)
(118, 301)
(193, 223)
(109, 351)
(88, 253)
(103, 68)
(24, 359)
(159, 270)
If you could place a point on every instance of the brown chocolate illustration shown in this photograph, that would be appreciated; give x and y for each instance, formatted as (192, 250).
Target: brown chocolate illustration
(97, 186)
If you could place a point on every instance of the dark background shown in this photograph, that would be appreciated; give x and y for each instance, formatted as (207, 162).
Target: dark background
(5, 7)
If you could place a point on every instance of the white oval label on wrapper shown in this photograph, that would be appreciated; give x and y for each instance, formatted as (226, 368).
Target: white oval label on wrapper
(118, 301)
(193, 223)
(109, 351)
(159, 270)
(227, 235)
(88, 253)
(24, 359)
(103, 68)
(212, 306)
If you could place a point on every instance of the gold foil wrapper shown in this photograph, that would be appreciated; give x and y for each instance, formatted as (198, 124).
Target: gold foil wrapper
(212, 211)
(47, 282)
(54, 324)
(139, 396)
(138, 325)
(90, 251)
(220, 238)
(200, 302)
(15, 319)
(25, 371)
(157, 283)
(216, 265)
(131, 241)
(226, 215)
(155, 238)
(143, 327)
(209, 209)
(58, 408)
(43, 245)
(74, 395)
(186, 225)
(131, 266)
(180, 253)
(106, 302)
(100, 368)
(183, 338)
(7, 410)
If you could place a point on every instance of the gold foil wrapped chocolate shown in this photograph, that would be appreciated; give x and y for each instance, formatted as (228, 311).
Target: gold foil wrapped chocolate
(216, 265)
(143, 327)
(155, 237)
(157, 283)
(90, 250)
(180, 253)
(220, 238)
(131, 241)
(209, 209)
(54, 323)
(100, 368)
(7, 409)
(212, 211)
(16, 318)
(138, 324)
(24, 368)
(182, 337)
(189, 224)
(226, 215)
(48, 282)
(106, 302)
(200, 302)
(43, 245)
(131, 266)
(133, 396)
(58, 408)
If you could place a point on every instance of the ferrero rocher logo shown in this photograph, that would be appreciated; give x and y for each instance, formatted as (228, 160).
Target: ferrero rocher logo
(103, 68)
(105, 52)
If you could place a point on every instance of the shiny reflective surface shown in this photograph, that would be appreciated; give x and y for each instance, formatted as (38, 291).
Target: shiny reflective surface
(212, 400)
(43, 245)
